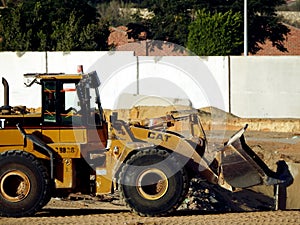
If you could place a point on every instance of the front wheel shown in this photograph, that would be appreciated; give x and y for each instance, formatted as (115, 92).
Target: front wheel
(152, 182)
(24, 184)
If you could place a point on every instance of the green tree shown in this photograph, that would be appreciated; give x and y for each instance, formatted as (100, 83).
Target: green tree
(172, 19)
(216, 34)
(12, 36)
(263, 23)
(51, 25)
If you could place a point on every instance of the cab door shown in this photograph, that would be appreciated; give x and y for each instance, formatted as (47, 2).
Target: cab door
(61, 118)
(50, 125)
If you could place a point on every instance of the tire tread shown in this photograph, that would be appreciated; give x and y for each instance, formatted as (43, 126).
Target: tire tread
(165, 154)
(45, 175)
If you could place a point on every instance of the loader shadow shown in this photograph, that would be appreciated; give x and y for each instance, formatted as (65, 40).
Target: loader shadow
(235, 206)
(77, 212)
(225, 201)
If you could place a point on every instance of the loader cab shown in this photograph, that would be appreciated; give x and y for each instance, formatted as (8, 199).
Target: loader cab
(71, 100)
(71, 109)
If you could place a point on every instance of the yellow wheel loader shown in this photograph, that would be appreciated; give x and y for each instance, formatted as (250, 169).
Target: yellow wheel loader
(70, 146)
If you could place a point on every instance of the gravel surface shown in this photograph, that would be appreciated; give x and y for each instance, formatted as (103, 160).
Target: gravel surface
(85, 212)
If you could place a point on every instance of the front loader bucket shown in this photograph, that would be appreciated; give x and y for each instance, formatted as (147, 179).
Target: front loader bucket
(240, 165)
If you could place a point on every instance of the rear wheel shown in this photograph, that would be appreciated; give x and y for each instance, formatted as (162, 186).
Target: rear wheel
(152, 183)
(24, 184)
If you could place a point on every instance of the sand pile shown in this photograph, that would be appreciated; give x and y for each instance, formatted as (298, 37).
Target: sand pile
(214, 119)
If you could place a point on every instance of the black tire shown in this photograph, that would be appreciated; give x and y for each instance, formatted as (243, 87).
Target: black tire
(49, 191)
(24, 184)
(152, 183)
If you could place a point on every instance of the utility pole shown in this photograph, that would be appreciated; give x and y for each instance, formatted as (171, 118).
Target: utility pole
(245, 29)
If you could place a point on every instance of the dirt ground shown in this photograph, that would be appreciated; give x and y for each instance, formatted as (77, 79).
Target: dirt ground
(211, 205)
(85, 212)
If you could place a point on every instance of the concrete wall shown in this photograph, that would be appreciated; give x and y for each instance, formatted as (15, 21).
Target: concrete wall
(265, 87)
(167, 78)
(246, 86)
(12, 67)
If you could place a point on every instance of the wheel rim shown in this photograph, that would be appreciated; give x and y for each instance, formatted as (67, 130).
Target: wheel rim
(152, 184)
(15, 186)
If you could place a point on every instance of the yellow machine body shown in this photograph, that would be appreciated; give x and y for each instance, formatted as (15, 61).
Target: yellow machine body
(70, 146)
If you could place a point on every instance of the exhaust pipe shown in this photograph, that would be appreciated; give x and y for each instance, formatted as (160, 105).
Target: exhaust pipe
(5, 109)
(6, 92)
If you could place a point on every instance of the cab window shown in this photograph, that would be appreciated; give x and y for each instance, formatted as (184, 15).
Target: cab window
(70, 108)
(49, 102)
(60, 103)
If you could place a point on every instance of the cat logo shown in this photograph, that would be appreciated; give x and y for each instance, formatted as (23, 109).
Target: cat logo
(158, 136)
